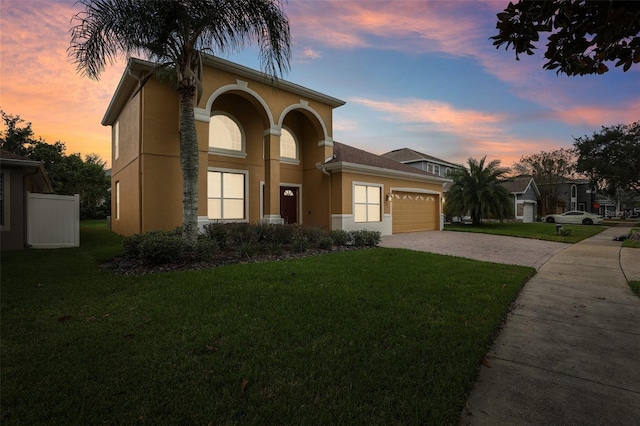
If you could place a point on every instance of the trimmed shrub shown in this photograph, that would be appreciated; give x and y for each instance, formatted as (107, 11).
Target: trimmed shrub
(340, 237)
(274, 248)
(206, 248)
(364, 238)
(300, 244)
(241, 240)
(218, 232)
(132, 245)
(314, 234)
(159, 249)
(325, 243)
(249, 249)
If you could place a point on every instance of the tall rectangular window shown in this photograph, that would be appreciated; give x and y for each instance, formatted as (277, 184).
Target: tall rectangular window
(116, 140)
(436, 169)
(226, 195)
(117, 212)
(366, 203)
(2, 215)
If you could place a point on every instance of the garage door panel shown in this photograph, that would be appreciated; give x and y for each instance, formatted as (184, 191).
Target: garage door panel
(415, 212)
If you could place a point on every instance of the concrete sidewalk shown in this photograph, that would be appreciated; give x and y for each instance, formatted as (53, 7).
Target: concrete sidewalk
(569, 353)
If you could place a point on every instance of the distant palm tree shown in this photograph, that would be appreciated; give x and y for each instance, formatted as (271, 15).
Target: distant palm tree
(173, 34)
(477, 191)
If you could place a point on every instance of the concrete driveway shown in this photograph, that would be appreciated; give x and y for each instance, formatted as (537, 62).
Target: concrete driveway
(489, 248)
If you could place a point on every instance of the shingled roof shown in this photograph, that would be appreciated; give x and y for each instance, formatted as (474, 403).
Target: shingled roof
(40, 178)
(408, 155)
(519, 185)
(345, 154)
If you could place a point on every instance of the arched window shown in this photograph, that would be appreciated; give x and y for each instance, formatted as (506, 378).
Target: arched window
(574, 197)
(225, 135)
(288, 145)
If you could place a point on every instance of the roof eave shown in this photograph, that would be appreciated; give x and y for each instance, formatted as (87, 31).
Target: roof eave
(345, 166)
(126, 86)
(130, 80)
(40, 172)
(241, 70)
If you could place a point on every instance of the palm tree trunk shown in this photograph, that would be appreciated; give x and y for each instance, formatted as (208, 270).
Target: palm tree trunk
(189, 162)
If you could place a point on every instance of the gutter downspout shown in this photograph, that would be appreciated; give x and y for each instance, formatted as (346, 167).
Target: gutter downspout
(324, 170)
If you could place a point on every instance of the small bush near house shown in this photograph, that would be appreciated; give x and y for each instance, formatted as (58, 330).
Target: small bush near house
(340, 237)
(223, 243)
(365, 238)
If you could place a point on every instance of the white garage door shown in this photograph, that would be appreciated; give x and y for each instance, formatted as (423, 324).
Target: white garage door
(529, 213)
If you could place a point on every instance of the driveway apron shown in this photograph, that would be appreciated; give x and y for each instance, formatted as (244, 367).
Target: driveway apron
(569, 352)
(485, 247)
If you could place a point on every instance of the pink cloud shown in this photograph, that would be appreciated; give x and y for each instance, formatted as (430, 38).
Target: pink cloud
(601, 115)
(412, 26)
(40, 83)
(508, 150)
(455, 28)
(311, 54)
(439, 116)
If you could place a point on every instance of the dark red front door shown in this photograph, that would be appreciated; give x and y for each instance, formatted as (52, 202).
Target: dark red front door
(289, 204)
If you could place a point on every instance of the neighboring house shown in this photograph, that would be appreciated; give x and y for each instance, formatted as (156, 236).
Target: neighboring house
(575, 194)
(266, 155)
(625, 203)
(422, 161)
(579, 194)
(18, 176)
(525, 194)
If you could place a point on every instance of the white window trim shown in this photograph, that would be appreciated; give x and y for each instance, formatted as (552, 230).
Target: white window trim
(6, 194)
(286, 160)
(436, 169)
(117, 200)
(116, 140)
(246, 194)
(353, 200)
(242, 153)
(292, 185)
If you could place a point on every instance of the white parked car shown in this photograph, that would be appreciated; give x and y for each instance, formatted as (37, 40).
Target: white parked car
(574, 216)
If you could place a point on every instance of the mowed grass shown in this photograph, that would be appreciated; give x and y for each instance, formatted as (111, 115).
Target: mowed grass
(376, 336)
(632, 243)
(536, 230)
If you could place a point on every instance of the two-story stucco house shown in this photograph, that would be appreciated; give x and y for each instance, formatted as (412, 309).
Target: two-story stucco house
(266, 153)
(422, 161)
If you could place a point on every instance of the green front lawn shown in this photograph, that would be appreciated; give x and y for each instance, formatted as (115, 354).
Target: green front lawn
(537, 230)
(632, 243)
(375, 336)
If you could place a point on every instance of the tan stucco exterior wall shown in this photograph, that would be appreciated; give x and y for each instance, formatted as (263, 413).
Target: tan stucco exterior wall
(129, 220)
(125, 169)
(346, 188)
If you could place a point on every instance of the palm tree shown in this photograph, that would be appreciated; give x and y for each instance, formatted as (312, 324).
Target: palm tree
(173, 34)
(477, 191)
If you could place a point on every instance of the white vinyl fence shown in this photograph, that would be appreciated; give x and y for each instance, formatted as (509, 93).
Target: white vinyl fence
(53, 221)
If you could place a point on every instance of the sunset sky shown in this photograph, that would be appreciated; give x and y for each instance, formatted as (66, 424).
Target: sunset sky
(416, 74)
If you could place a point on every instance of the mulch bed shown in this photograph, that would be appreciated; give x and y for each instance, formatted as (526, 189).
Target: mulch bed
(126, 266)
